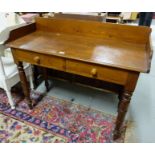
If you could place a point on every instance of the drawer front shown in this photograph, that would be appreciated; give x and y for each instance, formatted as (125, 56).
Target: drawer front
(96, 71)
(39, 59)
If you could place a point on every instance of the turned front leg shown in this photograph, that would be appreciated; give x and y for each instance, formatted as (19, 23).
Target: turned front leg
(122, 109)
(124, 101)
(25, 85)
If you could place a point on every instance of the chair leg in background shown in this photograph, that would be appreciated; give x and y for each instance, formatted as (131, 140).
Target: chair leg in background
(45, 75)
(31, 78)
(10, 99)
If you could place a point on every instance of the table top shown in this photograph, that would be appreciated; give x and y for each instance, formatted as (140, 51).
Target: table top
(100, 43)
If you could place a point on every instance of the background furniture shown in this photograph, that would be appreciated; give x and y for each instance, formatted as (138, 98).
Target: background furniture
(8, 70)
(9, 76)
(93, 16)
(121, 17)
(29, 17)
(145, 18)
(95, 50)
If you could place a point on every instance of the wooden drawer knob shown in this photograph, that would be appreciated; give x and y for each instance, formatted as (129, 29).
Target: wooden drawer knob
(37, 59)
(94, 72)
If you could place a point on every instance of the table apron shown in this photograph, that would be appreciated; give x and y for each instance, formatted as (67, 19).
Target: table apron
(90, 70)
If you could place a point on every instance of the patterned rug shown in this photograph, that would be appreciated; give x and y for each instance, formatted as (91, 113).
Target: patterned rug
(53, 120)
(13, 131)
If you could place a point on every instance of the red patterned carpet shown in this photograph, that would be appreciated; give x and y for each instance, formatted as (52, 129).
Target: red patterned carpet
(63, 120)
